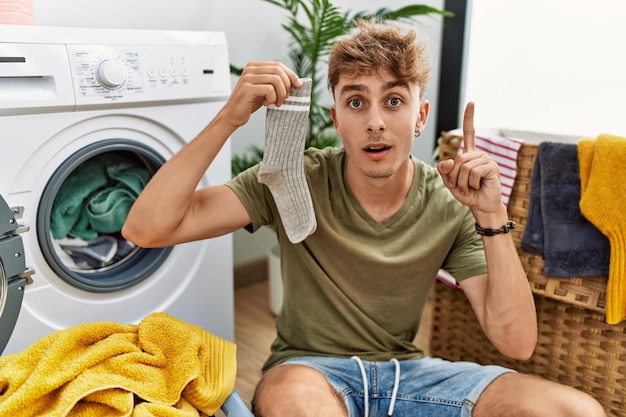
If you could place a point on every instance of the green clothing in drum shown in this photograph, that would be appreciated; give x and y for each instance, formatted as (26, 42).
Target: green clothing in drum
(357, 286)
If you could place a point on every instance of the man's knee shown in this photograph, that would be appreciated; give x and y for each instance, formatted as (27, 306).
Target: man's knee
(288, 390)
(515, 394)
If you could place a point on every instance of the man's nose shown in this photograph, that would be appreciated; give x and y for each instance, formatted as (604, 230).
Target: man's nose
(375, 122)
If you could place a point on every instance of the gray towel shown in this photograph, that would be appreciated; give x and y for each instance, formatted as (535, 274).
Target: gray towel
(556, 229)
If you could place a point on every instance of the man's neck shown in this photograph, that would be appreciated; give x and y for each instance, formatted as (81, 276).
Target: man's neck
(381, 198)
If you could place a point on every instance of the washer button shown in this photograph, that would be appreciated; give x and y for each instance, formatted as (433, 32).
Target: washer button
(111, 73)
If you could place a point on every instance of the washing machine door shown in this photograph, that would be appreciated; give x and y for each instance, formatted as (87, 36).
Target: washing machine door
(14, 274)
(81, 212)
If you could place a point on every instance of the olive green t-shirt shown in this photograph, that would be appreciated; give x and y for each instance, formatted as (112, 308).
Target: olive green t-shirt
(357, 286)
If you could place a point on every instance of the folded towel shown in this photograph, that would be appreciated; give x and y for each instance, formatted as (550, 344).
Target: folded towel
(603, 202)
(503, 150)
(161, 367)
(555, 228)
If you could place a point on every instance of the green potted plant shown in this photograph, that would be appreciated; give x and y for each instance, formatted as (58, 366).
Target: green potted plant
(314, 26)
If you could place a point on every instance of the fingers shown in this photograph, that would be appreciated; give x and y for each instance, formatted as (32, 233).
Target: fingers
(472, 176)
(260, 84)
(472, 172)
(463, 174)
(270, 81)
(469, 134)
(445, 167)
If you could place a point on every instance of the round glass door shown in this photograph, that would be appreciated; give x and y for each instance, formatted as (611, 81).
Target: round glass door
(83, 208)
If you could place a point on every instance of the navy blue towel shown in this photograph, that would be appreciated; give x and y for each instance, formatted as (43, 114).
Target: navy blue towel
(556, 229)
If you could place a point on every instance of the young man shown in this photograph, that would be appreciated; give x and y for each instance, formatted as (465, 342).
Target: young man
(385, 224)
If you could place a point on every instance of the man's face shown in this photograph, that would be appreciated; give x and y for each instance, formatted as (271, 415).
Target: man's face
(377, 116)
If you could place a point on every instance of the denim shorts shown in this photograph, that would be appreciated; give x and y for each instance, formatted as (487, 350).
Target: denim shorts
(426, 387)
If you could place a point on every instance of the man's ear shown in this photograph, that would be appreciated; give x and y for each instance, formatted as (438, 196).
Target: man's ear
(333, 115)
(423, 116)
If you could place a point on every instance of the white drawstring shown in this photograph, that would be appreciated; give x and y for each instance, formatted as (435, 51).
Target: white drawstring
(394, 392)
(365, 384)
(396, 383)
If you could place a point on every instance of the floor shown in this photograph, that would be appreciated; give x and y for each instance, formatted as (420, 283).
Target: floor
(254, 333)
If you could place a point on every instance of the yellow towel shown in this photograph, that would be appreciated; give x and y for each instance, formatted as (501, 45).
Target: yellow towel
(603, 203)
(161, 367)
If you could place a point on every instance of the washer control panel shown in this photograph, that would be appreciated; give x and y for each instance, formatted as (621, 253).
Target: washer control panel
(100, 71)
(113, 74)
(46, 69)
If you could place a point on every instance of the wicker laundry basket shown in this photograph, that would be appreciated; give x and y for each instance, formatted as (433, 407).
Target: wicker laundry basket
(575, 347)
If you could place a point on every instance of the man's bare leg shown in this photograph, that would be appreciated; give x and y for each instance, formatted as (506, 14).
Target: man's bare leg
(296, 390)
(523, 395)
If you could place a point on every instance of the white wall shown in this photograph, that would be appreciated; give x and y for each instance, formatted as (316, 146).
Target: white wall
(552, 66)
(132, 14)
(253, 30)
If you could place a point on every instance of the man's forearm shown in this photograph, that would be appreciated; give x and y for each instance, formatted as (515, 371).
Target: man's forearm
(163, 203)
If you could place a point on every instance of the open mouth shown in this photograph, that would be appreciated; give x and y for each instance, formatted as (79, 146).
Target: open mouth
(376, 149)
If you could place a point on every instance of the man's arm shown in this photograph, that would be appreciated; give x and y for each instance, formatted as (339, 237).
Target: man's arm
(170, 210)
(501, 298)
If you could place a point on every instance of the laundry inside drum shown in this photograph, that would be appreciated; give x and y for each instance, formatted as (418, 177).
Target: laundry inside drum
(90, 208)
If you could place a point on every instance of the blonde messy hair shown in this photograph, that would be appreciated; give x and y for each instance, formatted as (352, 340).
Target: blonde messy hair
(377, 48)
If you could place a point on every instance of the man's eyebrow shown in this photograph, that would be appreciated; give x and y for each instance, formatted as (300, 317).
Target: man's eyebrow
(396, 83)
(352, 87)
(360, 87)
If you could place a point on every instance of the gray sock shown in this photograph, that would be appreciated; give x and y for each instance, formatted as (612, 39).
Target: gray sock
(282, 168)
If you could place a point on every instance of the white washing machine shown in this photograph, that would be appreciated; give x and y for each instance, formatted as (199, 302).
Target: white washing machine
(87, 116)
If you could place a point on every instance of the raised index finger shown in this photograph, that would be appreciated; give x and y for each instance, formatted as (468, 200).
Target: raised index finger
(469, 134)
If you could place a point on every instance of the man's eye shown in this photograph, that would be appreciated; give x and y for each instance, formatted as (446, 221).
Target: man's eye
(395, 102)
(354, 103)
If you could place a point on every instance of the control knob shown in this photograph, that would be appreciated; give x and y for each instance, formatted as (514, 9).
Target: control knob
(111, 73)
